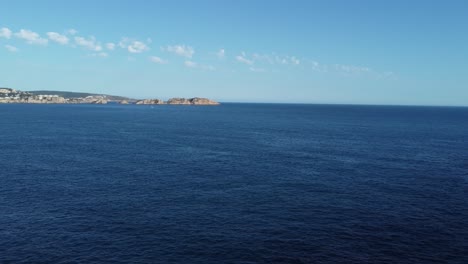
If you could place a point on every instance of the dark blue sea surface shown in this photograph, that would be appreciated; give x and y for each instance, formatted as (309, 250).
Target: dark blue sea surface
(236, 183)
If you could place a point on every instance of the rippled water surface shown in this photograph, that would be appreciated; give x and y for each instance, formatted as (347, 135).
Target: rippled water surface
(238, 183)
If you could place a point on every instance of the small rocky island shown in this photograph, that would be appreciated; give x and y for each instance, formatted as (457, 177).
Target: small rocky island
(8, 95)
(179, 101)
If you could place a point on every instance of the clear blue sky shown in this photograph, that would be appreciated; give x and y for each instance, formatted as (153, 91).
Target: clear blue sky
(359, 52)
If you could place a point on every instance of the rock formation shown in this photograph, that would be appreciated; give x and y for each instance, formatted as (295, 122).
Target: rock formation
(150, 102)
(192, 101)
(178, 101)
(202, 101)
(100, 101)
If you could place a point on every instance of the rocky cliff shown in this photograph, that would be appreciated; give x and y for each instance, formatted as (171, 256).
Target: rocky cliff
(192, 101)
(202, 101)
(100, 101)
(150, 102)
(178, 101)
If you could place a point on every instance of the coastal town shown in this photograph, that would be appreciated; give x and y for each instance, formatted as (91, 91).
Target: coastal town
(8, 95)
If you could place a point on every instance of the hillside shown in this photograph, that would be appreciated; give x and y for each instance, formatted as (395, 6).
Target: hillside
(68, 95)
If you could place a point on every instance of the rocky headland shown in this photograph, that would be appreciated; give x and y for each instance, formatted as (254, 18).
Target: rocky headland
(8, 95)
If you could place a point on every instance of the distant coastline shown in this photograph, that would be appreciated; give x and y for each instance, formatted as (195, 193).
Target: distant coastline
(9, 95)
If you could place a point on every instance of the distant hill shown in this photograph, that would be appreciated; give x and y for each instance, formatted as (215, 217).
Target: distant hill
(6, 88)
(67, 95)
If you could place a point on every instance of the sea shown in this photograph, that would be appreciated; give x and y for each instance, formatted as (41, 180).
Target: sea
(235, 183)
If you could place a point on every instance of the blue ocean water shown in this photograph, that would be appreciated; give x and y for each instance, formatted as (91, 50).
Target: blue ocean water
(237, 183)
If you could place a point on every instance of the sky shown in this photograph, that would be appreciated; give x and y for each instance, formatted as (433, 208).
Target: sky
(338, 52)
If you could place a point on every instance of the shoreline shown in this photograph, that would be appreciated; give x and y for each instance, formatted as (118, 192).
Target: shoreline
(11, 96)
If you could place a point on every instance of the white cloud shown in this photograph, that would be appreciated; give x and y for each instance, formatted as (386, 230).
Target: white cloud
(61, 39)
(5, 33)
(157, 60)
(123, 43)
(242, 58)
(133, 46)
(388, 74)
(221, 54)
(181, 50)
(194, 65)
(276, 59)
(72, 31)
(11, 48)
(137, 47)
(31, 37)
(263, 58)
(316, 66)
(294, 60)
(110, 46)
(343, 69)
(257, 69)
(281, 60)
(208, 68)
(351, 69)
(287, 60)
(90, 43)
(99, 54)
(190, 64)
